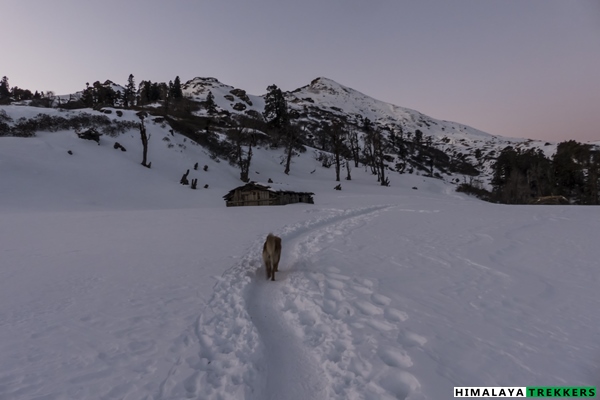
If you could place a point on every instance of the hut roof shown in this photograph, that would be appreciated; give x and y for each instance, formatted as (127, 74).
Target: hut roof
(271, 187)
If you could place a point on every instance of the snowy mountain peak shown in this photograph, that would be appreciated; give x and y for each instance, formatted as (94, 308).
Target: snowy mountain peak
(203, 81)
(325, 89)
(201, 85)
(328, 85)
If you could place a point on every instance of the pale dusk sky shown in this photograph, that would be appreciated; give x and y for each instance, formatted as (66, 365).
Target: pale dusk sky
(518, 68)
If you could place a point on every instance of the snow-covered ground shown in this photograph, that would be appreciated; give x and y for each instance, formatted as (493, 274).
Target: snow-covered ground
(116, 282)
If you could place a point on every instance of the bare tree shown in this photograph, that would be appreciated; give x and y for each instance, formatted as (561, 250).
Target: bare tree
(241, 136)
(378, 157)
(348, 176)
(291, 140)
(145, 139)
(353, 144)
(369, 152)
(337, 137)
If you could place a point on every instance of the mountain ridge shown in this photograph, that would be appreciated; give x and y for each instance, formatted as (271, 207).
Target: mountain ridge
(409, 141)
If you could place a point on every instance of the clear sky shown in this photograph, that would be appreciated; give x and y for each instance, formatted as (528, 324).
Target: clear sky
(519, 68)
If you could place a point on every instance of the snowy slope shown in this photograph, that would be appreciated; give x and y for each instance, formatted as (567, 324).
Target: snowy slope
(324, 98)
(226, 97)
(455, 139)
(116, 282)
(339, 99)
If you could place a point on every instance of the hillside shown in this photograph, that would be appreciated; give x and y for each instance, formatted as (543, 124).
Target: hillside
(324, 99)
(325, 121)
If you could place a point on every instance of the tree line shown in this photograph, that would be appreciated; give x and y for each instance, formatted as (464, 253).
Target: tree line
(522, 176)
(15, 93)
(100, 94)
(518, 176)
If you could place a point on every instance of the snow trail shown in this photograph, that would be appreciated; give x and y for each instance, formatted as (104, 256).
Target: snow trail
(292, 338)
(290, 371)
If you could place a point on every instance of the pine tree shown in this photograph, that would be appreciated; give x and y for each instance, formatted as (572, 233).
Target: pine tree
(130, 92)
(276, 112)
(155, 92)
(418, 136)
(211, 106)
(175, 89)
(4, 88)
(278, 120)
(144, 90)
(87, 97)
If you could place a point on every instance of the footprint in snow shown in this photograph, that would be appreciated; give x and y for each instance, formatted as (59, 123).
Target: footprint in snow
(394, 356)
(393, 315)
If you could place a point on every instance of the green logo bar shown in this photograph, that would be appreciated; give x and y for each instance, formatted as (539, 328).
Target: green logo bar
(565, 392)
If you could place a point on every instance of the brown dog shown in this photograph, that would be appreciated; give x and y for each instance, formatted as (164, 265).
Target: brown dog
(271, 255)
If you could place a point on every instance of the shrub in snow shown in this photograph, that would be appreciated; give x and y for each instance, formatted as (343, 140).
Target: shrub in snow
(90, 134)
(118, 145)
(184, 179)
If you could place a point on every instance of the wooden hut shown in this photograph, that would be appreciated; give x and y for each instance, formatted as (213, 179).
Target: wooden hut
(257, 194)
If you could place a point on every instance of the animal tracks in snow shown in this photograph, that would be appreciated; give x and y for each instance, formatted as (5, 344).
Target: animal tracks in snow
(311, 334)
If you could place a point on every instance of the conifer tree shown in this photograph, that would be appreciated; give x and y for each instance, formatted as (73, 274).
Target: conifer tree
(144, 90)
(155, 94)
(276, 112)
(130, 92)
(4, 88)
(278, 120)
(175, 89)
(87, 96)
(211, 106)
